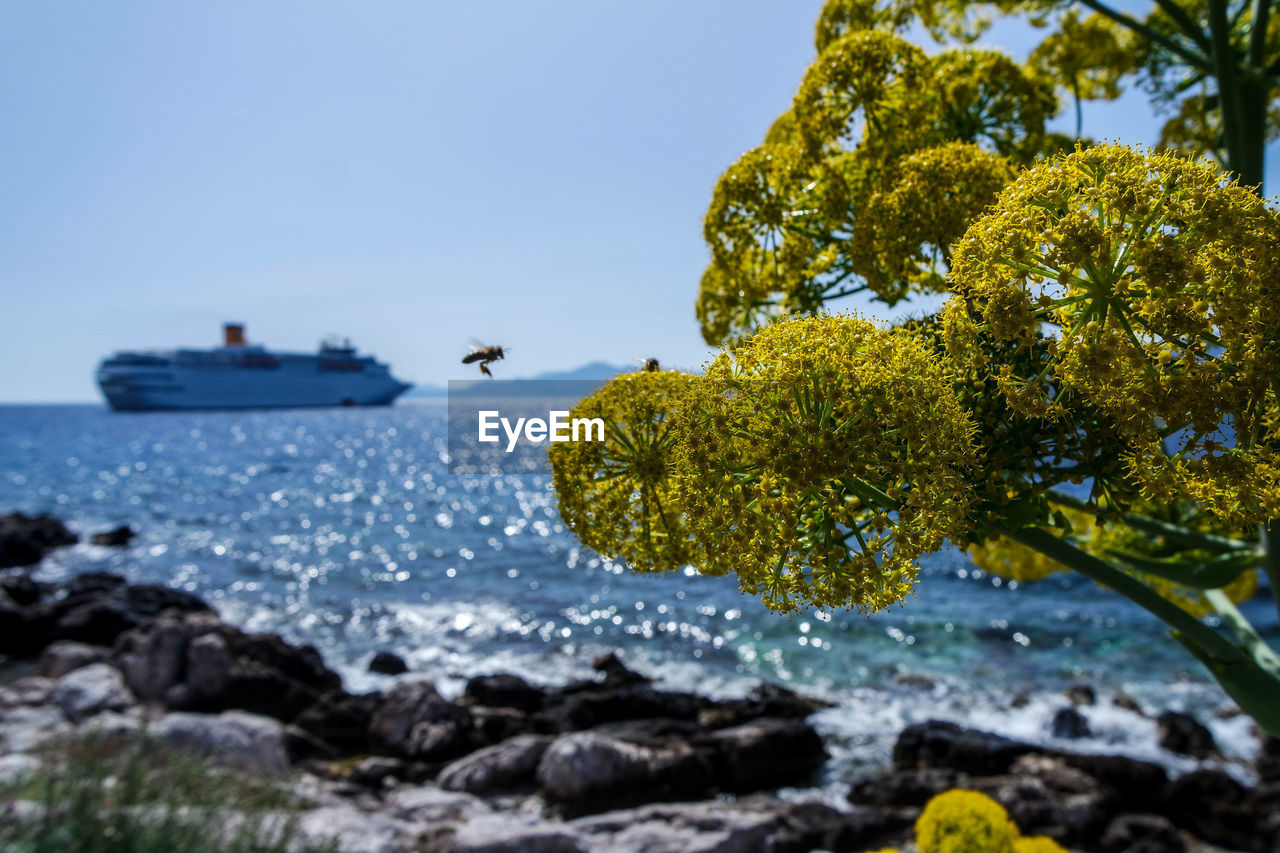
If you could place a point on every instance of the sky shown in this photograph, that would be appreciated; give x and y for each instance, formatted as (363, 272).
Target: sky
(415, 176)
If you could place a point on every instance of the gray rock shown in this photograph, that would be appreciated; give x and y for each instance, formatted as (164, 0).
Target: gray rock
(32, 690)
(91, 690)
(503, 767)
(24, 728)
(765, 753)
(208, 665)
(66, 656)
(234, 736)
(588, 772)
(356, 831)
(14, 767)
(1142, 833)
(434, 806)
(413, 720)
(514, 834)
(748, 826)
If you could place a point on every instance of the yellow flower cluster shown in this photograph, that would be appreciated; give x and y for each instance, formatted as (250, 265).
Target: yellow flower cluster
(1163, 281)
(925, 204)
(960, 821)
(819, 459)
(617, 494)
(852, 83)
(983, 96)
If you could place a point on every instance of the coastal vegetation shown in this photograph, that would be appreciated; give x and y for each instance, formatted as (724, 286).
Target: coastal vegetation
(1098, 391)
(108, 792)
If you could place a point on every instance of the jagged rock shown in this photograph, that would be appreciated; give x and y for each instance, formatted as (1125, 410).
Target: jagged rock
(503, 691)
(1183, 734)
(91, 690)
(116, 538)
(413, 720)
(1142, 833)
(588, 772)
(193, 661)
(616, 672)
(65, 656)
(388, 663)
(24, 540)
(1069, 724)
(506, 766)
(236, 736)
(103, 618)
(763, 754)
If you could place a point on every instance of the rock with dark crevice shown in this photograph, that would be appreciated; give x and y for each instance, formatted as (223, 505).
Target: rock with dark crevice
(193, 661)
(412, 720)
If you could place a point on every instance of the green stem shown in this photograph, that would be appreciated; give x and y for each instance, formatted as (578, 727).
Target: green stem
(1177, 533)
(1139, 593)
(1262, 653)
(1271, 558)
(1192, 58)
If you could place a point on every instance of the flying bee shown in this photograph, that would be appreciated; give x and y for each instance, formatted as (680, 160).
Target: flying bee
(649, 365)
(484, 355)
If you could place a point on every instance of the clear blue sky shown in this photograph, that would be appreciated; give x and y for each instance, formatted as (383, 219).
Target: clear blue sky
(410, 174)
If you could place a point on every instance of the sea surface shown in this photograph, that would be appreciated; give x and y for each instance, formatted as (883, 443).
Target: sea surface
(343, 528)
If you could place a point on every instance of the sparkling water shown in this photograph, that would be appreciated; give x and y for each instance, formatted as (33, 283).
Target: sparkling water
(343, 528)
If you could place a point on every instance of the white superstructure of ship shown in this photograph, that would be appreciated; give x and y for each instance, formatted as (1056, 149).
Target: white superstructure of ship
(240, 375)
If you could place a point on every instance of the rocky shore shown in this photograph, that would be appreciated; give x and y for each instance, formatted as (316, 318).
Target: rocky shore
(612, 763)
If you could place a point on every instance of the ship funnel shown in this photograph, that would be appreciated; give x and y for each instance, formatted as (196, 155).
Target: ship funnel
(233, 334)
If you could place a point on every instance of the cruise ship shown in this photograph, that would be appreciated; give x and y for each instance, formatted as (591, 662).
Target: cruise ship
(240, 375)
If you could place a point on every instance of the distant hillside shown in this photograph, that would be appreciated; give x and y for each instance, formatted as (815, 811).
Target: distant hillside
(595, 371)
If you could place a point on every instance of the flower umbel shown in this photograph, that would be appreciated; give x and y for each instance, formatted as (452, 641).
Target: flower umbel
(616, 494)
(819, 458)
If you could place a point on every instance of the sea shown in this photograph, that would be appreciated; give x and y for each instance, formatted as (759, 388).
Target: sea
(344, 529)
